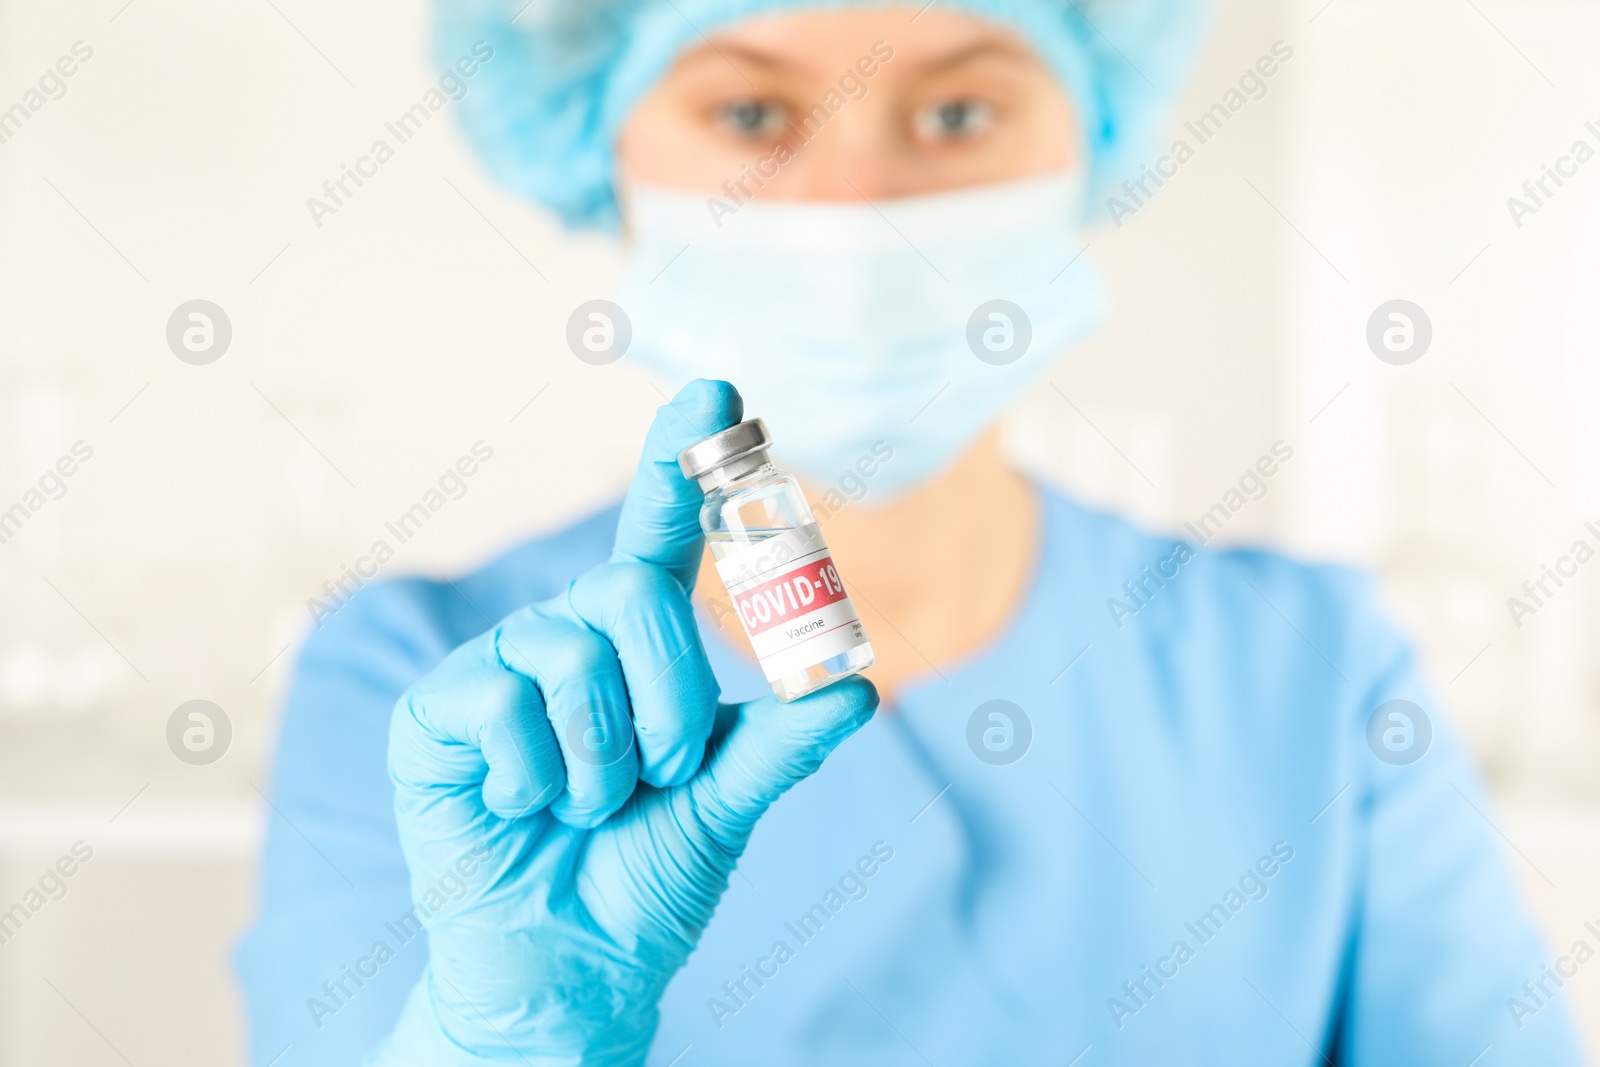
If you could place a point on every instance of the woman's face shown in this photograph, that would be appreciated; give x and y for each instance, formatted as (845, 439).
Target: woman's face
(841, 105)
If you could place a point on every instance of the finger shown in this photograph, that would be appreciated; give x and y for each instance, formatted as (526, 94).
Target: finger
(525, 767)
(647, 617)
(586, 705)
(471, 735)
(660, 520)
(770, 747)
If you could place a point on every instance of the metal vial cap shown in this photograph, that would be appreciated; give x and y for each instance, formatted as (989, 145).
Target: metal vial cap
(742, 447)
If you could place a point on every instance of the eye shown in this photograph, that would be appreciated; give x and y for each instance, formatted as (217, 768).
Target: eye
(953, 120)
(753, 118)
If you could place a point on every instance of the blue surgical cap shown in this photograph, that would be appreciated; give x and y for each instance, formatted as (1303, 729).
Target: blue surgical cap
(546, 111)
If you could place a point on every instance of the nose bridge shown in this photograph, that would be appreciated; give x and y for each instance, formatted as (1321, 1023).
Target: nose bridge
(848, 156)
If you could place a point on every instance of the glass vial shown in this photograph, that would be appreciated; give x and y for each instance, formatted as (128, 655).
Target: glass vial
(769, 552)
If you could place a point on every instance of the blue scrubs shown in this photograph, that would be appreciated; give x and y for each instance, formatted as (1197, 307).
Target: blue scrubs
(1197, 858)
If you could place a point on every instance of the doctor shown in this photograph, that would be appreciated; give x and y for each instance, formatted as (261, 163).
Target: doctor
(1128, 798)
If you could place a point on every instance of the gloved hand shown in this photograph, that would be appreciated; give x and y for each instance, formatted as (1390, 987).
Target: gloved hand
(573, 769)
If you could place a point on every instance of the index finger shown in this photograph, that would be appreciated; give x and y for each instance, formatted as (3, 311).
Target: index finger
(660, 520)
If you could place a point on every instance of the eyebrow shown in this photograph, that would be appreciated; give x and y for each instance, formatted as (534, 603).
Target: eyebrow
(996, 46)
(728, 51)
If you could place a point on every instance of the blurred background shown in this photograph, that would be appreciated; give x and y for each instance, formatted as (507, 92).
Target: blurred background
(370, 351)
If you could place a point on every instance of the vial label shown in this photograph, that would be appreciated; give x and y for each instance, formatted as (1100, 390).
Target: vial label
(788, 595)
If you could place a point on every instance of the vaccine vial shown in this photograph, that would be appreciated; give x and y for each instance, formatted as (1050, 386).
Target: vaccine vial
(770, 555)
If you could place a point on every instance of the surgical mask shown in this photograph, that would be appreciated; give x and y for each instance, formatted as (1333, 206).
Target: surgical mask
(880, 336)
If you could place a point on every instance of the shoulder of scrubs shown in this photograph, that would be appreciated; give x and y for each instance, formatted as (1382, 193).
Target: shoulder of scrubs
(1329, 705)
(326, 966)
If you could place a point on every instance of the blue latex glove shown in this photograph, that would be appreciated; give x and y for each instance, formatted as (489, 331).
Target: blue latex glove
(572, 769)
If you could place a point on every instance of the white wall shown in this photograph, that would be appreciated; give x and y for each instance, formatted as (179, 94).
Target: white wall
(369, 353)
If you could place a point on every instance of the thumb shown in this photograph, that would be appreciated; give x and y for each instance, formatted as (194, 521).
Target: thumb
(660, 520)
(769, 748)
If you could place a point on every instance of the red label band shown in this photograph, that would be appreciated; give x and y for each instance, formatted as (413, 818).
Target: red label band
(792, 594)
